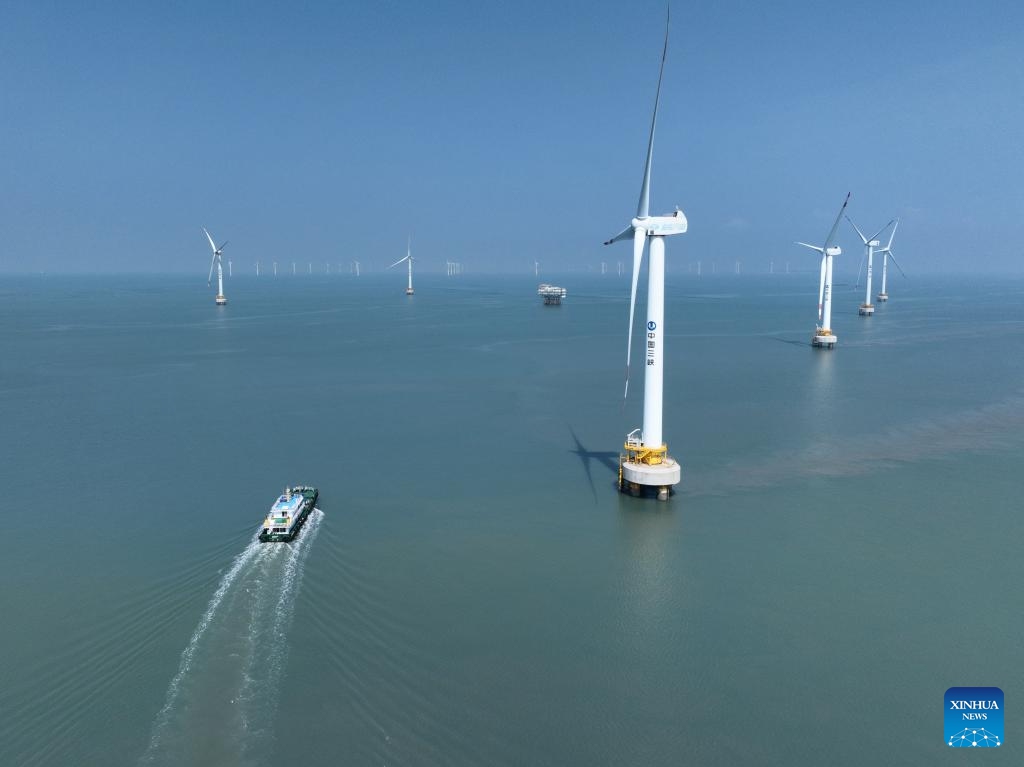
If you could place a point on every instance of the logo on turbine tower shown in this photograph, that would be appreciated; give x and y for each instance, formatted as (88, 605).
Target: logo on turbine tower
(973, 717)
(652, 325)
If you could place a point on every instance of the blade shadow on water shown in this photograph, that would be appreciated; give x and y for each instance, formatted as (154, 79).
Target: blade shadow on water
(608, 459)
(789, 341)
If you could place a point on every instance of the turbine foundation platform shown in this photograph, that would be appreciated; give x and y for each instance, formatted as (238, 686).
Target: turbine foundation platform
(409, 291)
(552, 294)
(220, 300)
(866, 310)
(823, 339)
(882, 297)
(643, 471)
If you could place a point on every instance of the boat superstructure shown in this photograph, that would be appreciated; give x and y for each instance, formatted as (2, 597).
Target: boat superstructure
(288, 514)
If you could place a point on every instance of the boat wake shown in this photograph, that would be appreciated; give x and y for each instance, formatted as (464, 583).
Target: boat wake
(220, 704)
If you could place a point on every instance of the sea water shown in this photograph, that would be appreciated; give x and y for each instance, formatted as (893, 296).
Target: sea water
(844, 544)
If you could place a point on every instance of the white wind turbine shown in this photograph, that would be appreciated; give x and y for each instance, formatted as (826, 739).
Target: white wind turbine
(823, 336)
(408, 259)
(217, 261)
(870, 243)
(886, 255)
(647, 463)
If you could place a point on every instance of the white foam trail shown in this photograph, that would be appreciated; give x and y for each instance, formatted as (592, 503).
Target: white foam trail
(248, 554)
(264, 583)
(277, 649)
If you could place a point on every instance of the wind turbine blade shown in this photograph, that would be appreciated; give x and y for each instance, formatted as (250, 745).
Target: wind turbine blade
(839, 215)
(812, 247)
(398, 262)
(892, 234)
(209, 277)
(212, 246)
(643, 207)
(859, 231)
(860, 268)
(875, 235)
(821, 287)
(222, 246)
(627, 232)
(897, 265)
(639, 240)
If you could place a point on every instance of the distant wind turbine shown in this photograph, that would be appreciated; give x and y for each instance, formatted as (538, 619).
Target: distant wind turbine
(823, 336)
(886, 255)
(217, 261)
(408, 259)
(870, 243)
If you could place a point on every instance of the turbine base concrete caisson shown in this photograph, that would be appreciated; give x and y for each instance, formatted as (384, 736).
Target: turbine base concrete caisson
(220, 300)
(823, 339)
(866, 310)
(882, 297)
(644, 469)
(640, 478)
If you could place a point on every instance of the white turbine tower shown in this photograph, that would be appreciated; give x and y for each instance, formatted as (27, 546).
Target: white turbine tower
(823, 336)
(408, 259)
(870, 243)
(647, 463)
(886, 255)
(275, 268)
(217, 261)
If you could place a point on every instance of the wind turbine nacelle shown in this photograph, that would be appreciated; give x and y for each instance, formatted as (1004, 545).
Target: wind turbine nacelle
(662, 226)
(875, 243)
(834, 251)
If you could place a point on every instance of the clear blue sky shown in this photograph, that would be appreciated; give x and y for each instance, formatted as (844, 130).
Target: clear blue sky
(496, 133)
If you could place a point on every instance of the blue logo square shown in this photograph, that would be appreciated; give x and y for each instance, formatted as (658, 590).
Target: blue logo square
(974, 717)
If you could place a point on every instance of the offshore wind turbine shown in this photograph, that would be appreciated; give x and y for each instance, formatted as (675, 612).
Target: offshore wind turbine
(217, 261)
(886, 255)
(647, 463)
(870, 243)
(823, 336)
(408, 259)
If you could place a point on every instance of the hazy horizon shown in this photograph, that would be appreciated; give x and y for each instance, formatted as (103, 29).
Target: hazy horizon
(497, 135)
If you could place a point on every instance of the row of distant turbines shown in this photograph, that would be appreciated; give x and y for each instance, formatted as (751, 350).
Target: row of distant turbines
(454, 268)
(824, 336)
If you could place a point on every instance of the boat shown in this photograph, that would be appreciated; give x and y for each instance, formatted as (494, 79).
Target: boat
(288, 514)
